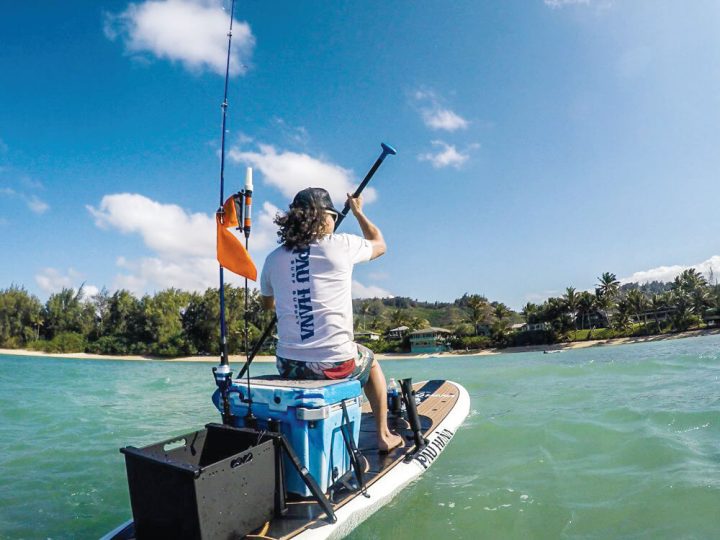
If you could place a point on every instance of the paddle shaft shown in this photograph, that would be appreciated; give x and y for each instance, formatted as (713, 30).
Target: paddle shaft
(386, 150)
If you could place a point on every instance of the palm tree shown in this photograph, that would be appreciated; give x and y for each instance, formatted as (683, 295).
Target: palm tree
(530, 312)
(479, 310)
(657, 303)
(608, 284)
(621, 317)
(691, 286)
(500, 311)
(571, 299)
(700, 300)
(682, 317)
(418, 323)
(585, 307)
(689, 280)
(364, 310)
(499, 327)
(637, 303)
(606, 291)
(397, 318)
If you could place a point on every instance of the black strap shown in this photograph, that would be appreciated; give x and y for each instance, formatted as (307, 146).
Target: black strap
(309, 480)
(352, 449)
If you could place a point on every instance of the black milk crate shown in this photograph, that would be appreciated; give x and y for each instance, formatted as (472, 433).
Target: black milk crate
(218, 482)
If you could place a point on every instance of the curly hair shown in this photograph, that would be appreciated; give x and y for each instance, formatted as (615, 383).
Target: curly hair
(300, 226)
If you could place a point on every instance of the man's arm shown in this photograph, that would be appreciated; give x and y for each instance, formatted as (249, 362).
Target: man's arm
(369, 229)
(268, 302)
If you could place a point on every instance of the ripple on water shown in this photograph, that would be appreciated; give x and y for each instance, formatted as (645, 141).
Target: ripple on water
(612, 442)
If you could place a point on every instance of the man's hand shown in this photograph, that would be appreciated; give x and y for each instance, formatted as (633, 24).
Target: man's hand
(355, 204)
(370, 231)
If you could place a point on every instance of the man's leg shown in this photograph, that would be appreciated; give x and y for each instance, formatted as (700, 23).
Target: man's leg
(376, 392)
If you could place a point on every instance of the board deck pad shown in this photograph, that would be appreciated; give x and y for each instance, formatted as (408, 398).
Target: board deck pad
(434, 400)
(304, 518)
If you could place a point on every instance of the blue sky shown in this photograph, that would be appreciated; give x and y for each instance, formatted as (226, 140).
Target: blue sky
(540, 143)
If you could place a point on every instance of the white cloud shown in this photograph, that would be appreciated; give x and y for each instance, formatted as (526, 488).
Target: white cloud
(295, 134)
(52, 280)
(668, 273)
(154, 273)
(444, 119)
(290, 172)
(540, 297)
(183, 243)
(436, 115)
(447, 155)
(165, 228)
(36, 205)
(562, 3)
(369, 291)
(192, 32)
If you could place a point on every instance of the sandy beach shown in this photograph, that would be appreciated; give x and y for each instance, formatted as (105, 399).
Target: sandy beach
(385, 357)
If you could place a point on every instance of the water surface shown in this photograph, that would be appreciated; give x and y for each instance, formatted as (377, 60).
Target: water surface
(608, 442)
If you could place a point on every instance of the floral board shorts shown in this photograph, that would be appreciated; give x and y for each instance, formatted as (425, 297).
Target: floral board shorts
(355, 368)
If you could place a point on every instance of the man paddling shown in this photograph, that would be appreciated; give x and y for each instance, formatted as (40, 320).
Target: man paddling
(308, 281)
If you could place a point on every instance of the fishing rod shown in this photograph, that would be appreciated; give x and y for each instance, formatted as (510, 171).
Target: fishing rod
(246, 226)
(387, 150)
(222, 373)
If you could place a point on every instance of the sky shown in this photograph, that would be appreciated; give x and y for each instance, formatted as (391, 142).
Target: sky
(540, 142)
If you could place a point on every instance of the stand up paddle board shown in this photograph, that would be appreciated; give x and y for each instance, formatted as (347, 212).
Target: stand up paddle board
(442, 406)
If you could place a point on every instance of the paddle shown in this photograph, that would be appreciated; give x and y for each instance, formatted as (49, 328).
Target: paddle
(386, 151)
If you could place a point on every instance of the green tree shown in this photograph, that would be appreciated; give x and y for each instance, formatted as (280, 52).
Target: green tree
(163, 328)
(20, 317)
(530, 312)
(606, 292)
(479, 311)
(572, 300)
(608, 284)
(621, 316)
(66, 312)
(637, 303)
(397, 318)
(682, 316)
(201, 321)
(364, 310)
(658, 302)
(417, 323)
(585, 307)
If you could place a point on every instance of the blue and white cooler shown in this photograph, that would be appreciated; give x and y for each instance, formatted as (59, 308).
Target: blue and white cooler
(310, 414)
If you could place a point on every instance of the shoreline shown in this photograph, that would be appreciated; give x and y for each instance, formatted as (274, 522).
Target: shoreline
(559, 347)
(234, 358)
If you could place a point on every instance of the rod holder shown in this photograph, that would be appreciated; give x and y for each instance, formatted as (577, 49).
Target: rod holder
(408, 396)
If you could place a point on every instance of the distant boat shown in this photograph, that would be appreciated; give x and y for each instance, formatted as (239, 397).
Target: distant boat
(553, 351)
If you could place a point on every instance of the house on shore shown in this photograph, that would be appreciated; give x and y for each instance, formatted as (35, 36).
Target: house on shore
(534, 327)
(430, 340)
(398, 333)
(366, 337)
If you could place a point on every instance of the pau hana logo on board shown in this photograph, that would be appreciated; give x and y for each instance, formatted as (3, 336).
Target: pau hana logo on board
(434, 447)
(300, 272)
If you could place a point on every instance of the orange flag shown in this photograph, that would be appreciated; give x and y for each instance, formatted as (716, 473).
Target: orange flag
(231, 254)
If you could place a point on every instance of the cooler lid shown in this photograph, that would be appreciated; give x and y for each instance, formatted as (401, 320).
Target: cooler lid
(279, 394)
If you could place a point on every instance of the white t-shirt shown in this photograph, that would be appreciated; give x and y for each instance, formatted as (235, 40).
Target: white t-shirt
(313, 300)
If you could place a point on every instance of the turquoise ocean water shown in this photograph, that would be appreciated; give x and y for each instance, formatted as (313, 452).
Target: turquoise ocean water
(609, 442)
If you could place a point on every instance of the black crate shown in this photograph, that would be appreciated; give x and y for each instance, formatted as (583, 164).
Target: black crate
(216, 483)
